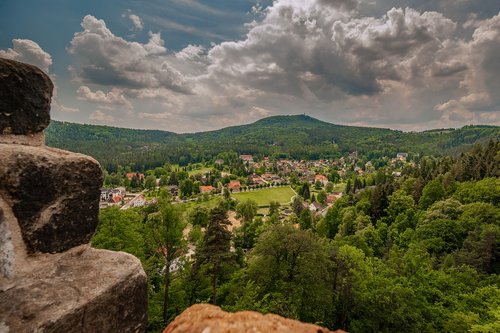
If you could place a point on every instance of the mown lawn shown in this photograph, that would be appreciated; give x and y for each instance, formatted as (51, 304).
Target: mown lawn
(264, 196)
(198, 171)
(211, 203)
(339, 187)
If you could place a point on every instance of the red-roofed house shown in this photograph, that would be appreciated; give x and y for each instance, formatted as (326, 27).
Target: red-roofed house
(117, 199)
(207, 189)
(322, 179)
(246, 158)
(255, 179)
(234, 185)
(331, 198)
(132, 174)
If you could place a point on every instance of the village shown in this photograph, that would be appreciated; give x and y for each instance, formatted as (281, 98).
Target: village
(247, 177)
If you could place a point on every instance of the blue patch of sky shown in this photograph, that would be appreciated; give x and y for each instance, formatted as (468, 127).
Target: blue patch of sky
(52, 23)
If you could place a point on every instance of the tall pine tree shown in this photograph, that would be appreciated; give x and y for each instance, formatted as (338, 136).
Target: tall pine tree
(165, 231)
(215, 252)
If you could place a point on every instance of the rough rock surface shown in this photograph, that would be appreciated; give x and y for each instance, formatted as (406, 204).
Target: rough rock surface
(49, 206)
(205, 318)
(25, 95)
(6, 250)
(81, 290)
(54, 195)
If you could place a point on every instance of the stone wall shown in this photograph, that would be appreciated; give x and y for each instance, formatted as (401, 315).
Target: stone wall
(51, 280)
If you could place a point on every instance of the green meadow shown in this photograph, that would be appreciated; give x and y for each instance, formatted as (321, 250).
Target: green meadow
(263, 197)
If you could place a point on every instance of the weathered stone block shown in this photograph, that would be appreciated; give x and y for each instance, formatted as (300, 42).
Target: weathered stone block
(211, 319)
(25, 96)
(54, 195)
(81, 290)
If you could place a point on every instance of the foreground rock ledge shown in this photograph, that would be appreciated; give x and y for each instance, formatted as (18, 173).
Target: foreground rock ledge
(53, 193)
(205, 318)
(81, 290)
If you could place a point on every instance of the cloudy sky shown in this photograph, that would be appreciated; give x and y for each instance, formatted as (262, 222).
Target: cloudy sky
(193, 65)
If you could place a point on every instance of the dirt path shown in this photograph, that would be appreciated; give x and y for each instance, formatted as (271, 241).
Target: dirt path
(235, 223)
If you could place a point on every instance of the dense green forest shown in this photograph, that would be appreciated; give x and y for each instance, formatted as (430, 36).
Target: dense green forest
(297, 137)
(418, 253)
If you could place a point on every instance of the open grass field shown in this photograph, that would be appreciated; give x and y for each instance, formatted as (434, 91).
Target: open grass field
(339, 187)
(186, 206)
(198, 171)
(264, 196)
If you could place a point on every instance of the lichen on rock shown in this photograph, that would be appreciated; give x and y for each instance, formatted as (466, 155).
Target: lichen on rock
(6, 250)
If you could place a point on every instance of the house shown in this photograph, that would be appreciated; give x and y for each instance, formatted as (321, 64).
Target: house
(315, 207)
(139, 201)
(117, 199)
(234, 185)
(358, 170)
(308, 178)
(270, 177)
(117, 192)
(106, 195)
(324, 211)
(122, 190)
(322, 179)
(331, 198)
(174, 190)
(337, 194)
(246, 158)
(130, 175)
(256, 179)
(402, 156)
(257, 165)
(207, 189)
(219, 161)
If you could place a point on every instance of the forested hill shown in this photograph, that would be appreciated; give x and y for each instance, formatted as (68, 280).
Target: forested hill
(300, 137)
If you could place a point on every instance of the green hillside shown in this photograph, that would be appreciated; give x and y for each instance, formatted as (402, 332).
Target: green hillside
(300, 137)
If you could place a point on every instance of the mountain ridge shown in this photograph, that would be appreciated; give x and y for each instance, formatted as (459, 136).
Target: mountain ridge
(272, 120)
(297, 136)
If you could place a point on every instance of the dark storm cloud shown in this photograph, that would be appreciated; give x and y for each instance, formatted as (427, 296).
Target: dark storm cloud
(109, 60)
(404, 67)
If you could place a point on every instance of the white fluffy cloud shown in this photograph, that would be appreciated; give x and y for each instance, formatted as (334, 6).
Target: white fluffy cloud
(136, 21)
(102, 117)
(67, 109)
(407, 68)
(28, 51)
(57, 106)
(322, 50)
(477, 97)
(108, 60)
(113, 98)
